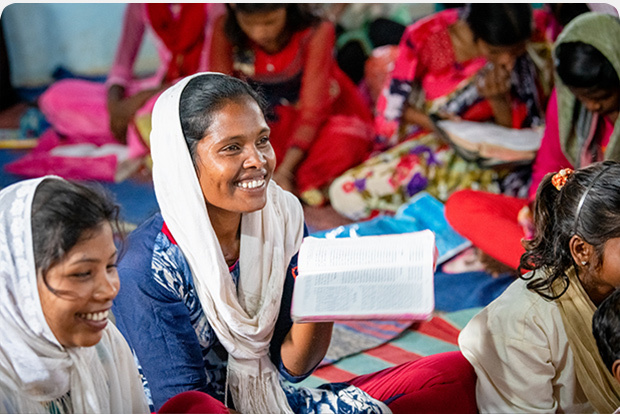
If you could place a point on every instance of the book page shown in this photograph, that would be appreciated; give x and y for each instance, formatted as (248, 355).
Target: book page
(527, 139)
(326, 255)
(371, 277)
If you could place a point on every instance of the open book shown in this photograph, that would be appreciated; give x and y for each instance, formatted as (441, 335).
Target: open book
(490, 144)
(371, 277)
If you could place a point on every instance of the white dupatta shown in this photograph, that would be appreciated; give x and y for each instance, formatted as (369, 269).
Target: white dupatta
(35, 369)
(244, 323)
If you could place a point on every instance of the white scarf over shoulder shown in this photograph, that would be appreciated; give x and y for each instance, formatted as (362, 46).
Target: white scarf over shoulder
(35, 369)
(244, 322)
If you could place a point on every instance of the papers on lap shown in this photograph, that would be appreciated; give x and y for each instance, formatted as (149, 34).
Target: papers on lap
(371, 277)
(490, 144)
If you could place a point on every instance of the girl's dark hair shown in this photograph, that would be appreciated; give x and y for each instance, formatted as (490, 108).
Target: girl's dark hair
(64, 213)
(581, 65)
(202, 97)
(500, 24)
(558, 218)
(606, 329)
(299, 16)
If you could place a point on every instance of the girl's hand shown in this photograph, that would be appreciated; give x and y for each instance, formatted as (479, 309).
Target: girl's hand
(284, 179)
(494, 84)
(526, 220)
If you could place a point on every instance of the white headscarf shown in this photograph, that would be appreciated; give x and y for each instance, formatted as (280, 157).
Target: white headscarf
(34, 367)
(244, 324)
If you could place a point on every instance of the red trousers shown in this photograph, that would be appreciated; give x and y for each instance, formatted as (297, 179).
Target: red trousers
(490, 222)
(440, 383)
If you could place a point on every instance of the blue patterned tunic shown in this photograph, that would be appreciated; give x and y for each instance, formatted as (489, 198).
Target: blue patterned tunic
(158, 312)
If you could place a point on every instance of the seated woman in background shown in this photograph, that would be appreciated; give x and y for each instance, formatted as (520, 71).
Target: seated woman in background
(532, 348)
(582, 126)
(104, 113)
(469, 63)
(320, 125)
(59, 353)
(207, 284)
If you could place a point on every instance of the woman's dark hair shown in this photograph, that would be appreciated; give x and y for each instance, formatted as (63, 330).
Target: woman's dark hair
(64, 213)
(202, 97)
(299, 16)
(500, 24)
(606, 329)
(565, 12)
(581, 65)
(559, 215)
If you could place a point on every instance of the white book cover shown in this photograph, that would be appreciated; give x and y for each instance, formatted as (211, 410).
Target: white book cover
(366, 278)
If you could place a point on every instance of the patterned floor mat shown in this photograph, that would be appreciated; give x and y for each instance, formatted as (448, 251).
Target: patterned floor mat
(415, 341)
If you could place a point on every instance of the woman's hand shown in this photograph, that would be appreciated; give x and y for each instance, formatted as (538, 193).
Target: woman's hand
(494, 82)
(122, 109)
(494, 85)
(285, 173)
(413, 116)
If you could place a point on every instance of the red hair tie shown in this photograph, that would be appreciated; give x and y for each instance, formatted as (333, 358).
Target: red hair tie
(559, 178)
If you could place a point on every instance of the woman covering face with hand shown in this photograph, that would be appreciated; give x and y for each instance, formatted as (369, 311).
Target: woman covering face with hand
(59, 352)
(582, 127)
(475, 63)
(207, 284)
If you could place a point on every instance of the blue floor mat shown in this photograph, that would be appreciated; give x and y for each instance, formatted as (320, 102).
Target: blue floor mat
(458, 291)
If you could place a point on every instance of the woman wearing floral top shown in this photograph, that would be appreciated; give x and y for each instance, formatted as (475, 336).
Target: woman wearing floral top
(471, 63)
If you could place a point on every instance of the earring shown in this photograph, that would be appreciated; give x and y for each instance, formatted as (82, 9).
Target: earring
(583, 263)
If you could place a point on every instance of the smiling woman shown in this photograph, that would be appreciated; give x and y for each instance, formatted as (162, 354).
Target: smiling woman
(207, 284)
(59, 352)
(76, 293)
(233, 157)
